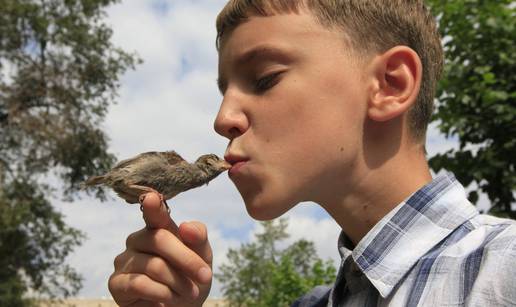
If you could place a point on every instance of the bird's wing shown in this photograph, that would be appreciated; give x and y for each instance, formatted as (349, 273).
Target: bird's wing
(135, 160)
(172, 157)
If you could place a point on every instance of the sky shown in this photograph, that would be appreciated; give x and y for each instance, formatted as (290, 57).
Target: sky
(170, 102)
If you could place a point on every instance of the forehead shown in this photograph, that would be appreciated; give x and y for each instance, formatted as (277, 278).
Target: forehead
(262, 35)
(257, 26)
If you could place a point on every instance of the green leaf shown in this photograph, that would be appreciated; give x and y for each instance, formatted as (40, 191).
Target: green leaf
(477, 97)
(66, 73)
(261, 274)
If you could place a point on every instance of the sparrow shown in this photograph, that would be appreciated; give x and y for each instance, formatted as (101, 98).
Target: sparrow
(166, 173)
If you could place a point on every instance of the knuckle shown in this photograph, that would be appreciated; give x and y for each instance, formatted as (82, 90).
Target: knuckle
(119, 261)
(156, 265)
(112, 285)
(116, 286)
(161, 235)
(130, 240)
(138, 284)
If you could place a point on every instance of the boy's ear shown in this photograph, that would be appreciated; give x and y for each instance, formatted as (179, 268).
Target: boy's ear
(397, 77)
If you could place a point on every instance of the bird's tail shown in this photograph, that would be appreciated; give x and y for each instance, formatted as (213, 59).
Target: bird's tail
(93, 181)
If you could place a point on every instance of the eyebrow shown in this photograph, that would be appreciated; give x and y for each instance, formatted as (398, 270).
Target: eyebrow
(254, 54)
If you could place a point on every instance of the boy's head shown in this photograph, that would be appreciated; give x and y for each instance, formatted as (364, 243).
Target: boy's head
(369, 26)
(316, 95)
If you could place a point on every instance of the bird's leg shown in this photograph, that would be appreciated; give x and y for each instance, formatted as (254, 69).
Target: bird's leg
(166, 205)
(143, 190)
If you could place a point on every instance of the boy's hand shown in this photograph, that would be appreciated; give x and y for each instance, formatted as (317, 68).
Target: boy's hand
(163, 264)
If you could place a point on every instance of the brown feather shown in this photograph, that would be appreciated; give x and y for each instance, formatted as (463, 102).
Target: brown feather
(95, 180)
(171, 156)
(165, 172)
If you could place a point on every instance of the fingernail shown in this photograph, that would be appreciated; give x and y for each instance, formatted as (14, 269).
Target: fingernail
(204, 275)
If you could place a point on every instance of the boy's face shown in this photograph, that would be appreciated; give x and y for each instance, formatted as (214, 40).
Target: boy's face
(293, 110)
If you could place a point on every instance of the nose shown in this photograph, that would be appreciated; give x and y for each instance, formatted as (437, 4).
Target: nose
(231, 120)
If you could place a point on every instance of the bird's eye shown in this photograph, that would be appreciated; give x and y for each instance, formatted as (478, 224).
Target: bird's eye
(263, 84)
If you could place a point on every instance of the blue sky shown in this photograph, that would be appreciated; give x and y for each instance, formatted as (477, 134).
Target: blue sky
(169, 102)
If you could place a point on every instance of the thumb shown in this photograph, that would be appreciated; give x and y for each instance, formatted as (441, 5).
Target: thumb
(156, 214)
(195, 236)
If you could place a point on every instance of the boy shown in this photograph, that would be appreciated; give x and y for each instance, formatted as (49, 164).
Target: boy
(328, 101)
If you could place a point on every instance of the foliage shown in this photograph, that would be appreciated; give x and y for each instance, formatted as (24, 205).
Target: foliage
(59, 72)
(477, 96)
(260, 274)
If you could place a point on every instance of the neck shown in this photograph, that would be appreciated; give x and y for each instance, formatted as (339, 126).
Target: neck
(382, 179)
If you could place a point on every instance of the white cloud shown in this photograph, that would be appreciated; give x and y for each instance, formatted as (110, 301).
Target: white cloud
(106, 226)
(437, 143)
(323, 232)
(308, 221)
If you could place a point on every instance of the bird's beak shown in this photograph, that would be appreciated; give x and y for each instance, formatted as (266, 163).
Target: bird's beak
(224, 165)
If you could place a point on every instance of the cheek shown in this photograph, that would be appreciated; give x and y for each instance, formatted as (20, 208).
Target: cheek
(311, 127)
(304, 139)
(316, 141)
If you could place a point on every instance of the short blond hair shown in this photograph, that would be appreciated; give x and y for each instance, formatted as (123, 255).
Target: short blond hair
(371, 26)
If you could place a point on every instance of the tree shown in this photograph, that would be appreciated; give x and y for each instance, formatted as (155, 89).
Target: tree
(260, 274)
(476, 98)
(59, 72)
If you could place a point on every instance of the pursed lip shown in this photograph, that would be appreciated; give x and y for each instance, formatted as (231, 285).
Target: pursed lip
(236, 161)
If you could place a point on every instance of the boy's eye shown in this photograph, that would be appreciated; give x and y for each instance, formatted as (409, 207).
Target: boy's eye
(267, 82)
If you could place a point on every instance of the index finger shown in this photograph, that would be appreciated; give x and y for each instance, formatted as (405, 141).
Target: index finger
(156, 214)
(170, 248)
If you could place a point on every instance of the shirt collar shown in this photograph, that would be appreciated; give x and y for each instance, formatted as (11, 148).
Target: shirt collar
(394, 245)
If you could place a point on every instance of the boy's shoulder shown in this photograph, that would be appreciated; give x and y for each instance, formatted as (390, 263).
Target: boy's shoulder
(488, 236)
(496, 279)
(488, 244)
(499, 233)
(477, 269)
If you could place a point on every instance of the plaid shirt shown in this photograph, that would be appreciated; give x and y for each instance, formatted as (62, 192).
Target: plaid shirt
(433, 249)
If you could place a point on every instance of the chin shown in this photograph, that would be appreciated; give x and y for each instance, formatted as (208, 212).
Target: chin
(263, 199)
(263, 208)
(261, 215)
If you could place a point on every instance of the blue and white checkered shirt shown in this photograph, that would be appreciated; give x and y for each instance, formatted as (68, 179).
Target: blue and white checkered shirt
(433, 249)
